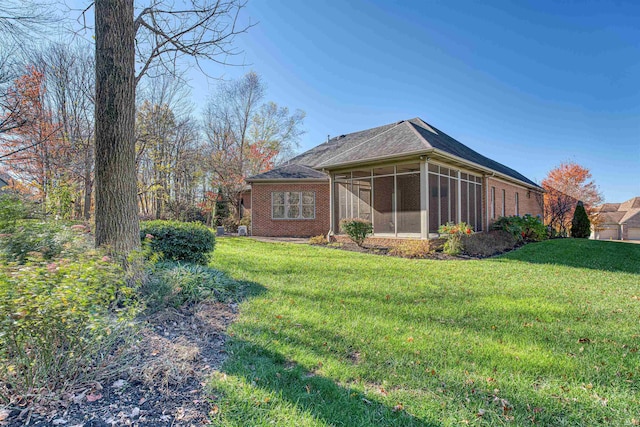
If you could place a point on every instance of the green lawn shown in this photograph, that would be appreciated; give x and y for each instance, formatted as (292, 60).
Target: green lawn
(546, 335)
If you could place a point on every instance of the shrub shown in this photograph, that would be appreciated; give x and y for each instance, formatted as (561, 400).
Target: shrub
(230, 224)
(34, 239)
(175, 284)
(580, 224)
(12, 209)
(526, 228)
(357, 229)
(318, 240)
(179, 241)
(453, 233)
(488, 244)
(60, 322)
(412, 249)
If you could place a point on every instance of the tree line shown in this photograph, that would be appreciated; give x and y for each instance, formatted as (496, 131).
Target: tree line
(185, 160)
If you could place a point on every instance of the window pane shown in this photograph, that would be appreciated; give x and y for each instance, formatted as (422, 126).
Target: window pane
(293, 211)
(478, 208)
(408, 203)
(308, 212)
(434, 168)
(308, 198)
(278, 198)
(294, 198)
(453, 199)
(383, 205)
(342, 196)
(412, 167)
(464, 176)
(464, 201)
(444, 200)
(278, 211)
(434, 204)
(444, 171)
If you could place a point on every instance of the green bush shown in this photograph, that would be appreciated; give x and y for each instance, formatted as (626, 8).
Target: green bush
(580, 224)
(31, 238)
(173, 284)
(12, 209)
(526, 228)
(59, 322)
(488, 244)
(179, 241)
(453, 233)
(357, 229)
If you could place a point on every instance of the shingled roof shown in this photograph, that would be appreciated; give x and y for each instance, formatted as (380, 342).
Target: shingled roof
(290, 171)
(406, 137)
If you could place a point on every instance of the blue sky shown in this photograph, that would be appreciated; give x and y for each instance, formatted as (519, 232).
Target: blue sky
(530, 84)
(527, 83)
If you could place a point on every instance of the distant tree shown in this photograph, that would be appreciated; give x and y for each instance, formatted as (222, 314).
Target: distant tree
(580, 224)
(565, 185)
(245, 135)
(34, 149)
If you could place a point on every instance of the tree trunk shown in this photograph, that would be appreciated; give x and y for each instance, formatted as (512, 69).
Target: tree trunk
(117, 224)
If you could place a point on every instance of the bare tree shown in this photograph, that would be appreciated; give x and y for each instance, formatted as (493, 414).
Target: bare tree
(20, 20)
(205, 29)
(245, 135)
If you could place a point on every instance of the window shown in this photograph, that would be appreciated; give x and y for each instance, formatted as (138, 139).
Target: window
(504, 198)
(293, 205)
(493, 202)
(517, 205)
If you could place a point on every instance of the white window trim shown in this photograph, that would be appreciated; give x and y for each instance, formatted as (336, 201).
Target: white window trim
(286, 204)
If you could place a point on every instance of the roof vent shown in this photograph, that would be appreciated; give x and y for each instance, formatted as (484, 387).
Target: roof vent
(341, 136)
(401, 121)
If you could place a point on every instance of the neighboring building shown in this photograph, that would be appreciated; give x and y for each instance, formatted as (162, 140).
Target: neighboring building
(407, 178)
(618, 221)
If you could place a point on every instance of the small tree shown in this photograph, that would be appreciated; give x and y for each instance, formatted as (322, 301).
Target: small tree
(580, 224)
(357, 229)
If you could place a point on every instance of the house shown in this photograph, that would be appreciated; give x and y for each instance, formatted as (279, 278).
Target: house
(618, 221)
(407, 178)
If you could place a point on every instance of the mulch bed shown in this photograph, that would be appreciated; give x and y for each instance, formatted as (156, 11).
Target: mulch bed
(385, 251)
(176, 352)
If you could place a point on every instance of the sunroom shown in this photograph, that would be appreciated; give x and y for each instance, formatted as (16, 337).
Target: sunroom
(408, 199)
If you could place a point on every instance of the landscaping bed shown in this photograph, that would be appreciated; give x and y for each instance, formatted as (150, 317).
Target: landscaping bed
(175, 352)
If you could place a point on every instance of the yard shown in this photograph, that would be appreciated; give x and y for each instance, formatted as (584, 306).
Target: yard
(546, 335)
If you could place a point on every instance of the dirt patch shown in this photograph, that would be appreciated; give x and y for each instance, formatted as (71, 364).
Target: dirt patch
(176, 352)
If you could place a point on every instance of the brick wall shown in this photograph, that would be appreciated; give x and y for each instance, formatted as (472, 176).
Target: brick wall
(529, 200)
(263, 225)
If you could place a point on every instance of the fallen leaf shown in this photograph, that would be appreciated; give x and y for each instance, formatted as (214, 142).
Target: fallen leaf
(4, 414)
(480, 413)
(398, 407)
(93, 397)
(587, 340)
(215, 410)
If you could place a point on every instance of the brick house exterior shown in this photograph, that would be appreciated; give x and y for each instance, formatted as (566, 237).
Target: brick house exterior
(407, 178)
(265, 225)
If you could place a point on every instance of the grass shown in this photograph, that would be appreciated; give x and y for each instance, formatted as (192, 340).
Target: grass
(545, 335)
